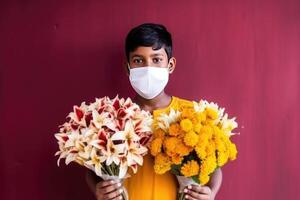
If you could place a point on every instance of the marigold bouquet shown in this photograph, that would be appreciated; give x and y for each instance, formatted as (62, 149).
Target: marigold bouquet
(107, 136)
(192, 142)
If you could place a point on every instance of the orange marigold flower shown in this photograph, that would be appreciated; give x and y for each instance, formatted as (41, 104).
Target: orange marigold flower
(182, 149)
(174, 129)
(158, 133)
(191, 168)
(156, 145)
(191, 138)
(177, 159)
(162, 163)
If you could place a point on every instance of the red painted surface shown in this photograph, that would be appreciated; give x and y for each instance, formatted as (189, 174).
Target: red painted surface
(242, 54)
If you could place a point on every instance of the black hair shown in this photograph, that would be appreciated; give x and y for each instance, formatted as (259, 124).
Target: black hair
(149, 35)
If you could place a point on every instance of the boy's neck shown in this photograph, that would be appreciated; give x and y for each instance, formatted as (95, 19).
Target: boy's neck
(160, 101)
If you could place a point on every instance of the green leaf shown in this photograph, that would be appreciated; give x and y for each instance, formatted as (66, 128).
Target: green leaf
(196, 179)
(175, 169)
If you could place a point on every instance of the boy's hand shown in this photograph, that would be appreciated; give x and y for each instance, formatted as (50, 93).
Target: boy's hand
(109, 190)
(197, 192)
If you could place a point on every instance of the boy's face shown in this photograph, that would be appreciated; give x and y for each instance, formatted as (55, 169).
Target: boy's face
(149, 70)
(146, 56)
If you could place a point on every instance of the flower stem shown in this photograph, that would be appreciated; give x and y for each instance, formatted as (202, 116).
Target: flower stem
(181, 196)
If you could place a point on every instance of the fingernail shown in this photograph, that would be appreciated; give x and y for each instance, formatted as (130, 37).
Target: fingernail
(120, 190)
(185, 190)
(190, 187)
(111, 182)
(186, 197)
(120, 197)
(119, 184)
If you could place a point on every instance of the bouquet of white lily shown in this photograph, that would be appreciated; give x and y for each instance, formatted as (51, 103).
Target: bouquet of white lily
(107, 136)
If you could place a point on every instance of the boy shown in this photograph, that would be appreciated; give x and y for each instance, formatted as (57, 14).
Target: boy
(149, 56)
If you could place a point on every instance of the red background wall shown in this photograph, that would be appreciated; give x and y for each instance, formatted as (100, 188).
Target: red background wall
(243, 54)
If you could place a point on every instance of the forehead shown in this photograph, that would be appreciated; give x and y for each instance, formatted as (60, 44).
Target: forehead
(147, 52)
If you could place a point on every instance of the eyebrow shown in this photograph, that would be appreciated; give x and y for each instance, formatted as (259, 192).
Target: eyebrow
(153, 55)
(157, 54)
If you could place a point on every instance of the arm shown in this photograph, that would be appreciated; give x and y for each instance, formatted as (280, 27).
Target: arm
(91, 180)
(215, 182)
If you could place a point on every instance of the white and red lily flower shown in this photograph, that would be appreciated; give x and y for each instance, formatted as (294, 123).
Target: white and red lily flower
(106, 133)
(94, 163)
(128, 135)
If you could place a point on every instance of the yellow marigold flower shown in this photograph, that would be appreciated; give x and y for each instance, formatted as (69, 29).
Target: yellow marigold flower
(177, 159)
(232, 151)
(187, 113)
(217, 131)
(210, 122)
(186, 125)
(162, 163)
(203, 178)
(203, 139)
(210, 148)
(206, 131)
(222, 158)
(208, 165)
(191, 168)
(156, 145)
(201, 117)
(170, 143)
(226, 141)
(159, 133)
(204, 169)
(211, 162)
(174, 129)
(211, 113)
(197, 127)
(191, 138)
(200, 150)
(220, 146)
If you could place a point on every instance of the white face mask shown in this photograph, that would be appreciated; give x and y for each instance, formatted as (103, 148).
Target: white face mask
(149, 81)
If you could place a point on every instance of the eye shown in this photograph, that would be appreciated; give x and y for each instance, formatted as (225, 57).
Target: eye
(137, 60)
(157, 60)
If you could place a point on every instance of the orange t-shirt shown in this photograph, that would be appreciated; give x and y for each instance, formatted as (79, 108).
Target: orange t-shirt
(148, 185)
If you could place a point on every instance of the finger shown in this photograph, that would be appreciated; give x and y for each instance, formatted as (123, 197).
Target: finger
(194, 195)
(190, 194)
(113, 195)
(189, 197)
(200, 189)
(118, 197)
(111, 188)
(102, 184)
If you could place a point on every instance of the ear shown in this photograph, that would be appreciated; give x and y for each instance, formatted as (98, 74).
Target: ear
(172, 64)
(126, 67)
